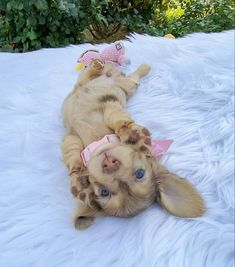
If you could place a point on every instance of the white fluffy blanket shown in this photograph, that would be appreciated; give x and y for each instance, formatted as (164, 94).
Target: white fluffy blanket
(188, 97)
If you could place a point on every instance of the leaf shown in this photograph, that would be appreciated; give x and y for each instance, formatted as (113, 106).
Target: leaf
(73, 12)
(20, 6)
(41, 20)
(9, 6)
(67, 31)
(26, 46)
(32, 21)
(17, 39)
(32, 35)
(41, 4)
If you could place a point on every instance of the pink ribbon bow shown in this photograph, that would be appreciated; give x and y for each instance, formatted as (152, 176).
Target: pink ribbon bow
(158, 147)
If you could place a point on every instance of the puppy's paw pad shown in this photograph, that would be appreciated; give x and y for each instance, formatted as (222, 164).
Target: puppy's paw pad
(85, 195)
(97, 64)
(82, 196)
(133, 133)
(146, 132)
(147, 141)
(74, 191)
(79, 182)
(133, 137)
(83, 180)
(83, 222)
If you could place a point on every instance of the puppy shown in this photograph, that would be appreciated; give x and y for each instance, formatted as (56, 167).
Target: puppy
(121, 178)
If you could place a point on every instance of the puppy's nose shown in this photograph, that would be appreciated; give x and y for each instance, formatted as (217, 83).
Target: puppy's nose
(110, 164)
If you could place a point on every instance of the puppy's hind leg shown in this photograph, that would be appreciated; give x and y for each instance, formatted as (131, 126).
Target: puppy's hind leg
(130, 83)
(141, 71)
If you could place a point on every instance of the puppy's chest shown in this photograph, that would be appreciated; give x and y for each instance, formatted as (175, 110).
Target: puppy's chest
(103, 80)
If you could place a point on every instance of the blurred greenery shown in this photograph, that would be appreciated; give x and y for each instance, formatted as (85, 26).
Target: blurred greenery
(187, 16)
(31, 24)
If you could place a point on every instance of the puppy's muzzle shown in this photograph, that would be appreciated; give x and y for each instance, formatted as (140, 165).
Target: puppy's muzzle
(110, 164)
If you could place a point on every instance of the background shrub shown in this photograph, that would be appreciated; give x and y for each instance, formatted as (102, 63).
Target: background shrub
(31, 24)
(186, 16)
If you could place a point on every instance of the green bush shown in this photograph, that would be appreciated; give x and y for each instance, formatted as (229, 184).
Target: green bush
(31, 24)
(187, 16)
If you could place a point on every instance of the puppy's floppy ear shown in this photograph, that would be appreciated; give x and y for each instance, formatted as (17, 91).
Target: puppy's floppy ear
(177, 195)
(83, 216)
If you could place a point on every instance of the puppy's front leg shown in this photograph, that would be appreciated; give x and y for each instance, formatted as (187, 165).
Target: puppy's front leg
(82, 216)
(71, 148)
(130, 83)
(116, 118)
(86, 210)
(94, 70)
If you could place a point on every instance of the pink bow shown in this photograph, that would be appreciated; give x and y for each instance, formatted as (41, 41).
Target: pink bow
(159, 147)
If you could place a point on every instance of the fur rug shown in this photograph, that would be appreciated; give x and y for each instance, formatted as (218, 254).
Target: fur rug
(188, 97)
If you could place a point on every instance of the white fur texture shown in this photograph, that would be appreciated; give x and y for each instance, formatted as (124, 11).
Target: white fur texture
(187, 97)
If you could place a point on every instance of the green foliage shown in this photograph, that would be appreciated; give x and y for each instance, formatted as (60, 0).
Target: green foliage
(31, 24)
(187, 16)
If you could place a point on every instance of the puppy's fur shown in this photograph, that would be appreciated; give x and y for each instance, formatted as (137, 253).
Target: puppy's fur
(95, 108)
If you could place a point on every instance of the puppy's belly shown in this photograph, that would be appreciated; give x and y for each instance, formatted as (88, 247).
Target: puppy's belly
(87, 121)
(86, 115)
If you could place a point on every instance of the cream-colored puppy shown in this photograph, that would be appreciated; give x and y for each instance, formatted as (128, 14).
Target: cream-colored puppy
(121, 178)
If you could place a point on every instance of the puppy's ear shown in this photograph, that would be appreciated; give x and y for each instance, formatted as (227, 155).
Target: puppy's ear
(177, 195)
(83, 216)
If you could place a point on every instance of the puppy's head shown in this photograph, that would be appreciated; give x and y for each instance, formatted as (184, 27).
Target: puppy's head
(125, 179)
(121, 177)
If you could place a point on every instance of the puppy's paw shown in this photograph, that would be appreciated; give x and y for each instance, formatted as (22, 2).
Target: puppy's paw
(97, 65)
(79, 182)
(133, 133)
(83, 222)
(143, 70)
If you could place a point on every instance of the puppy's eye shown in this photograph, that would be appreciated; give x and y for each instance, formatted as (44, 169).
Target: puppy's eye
(139, 174)
(104, 192)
